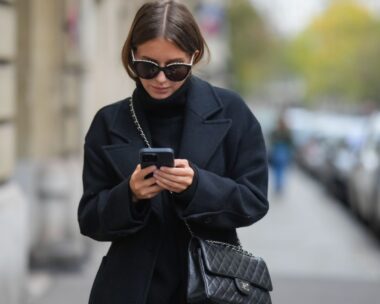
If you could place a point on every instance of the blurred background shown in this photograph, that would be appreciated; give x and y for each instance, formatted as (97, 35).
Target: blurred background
(310, 72)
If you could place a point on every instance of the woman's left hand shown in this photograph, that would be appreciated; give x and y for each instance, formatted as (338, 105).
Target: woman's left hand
(176, 179)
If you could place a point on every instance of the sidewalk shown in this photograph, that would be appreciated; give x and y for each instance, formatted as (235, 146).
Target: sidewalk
(71, 287)
(315, 248)
(307, 233)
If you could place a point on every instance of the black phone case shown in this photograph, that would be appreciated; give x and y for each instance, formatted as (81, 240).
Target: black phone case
(157, 156)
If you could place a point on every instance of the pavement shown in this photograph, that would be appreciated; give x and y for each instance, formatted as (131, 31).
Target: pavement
(316, 251)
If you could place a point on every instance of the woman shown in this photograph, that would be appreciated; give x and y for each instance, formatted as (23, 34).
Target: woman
(280, 153)
(219, 181)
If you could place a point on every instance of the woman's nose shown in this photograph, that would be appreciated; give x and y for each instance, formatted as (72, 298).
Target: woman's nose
(161, 76)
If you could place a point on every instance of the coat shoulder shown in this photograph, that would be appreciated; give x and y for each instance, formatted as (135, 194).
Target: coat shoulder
(230, 98)
(235, 106)
(102, 120)
(223, 95)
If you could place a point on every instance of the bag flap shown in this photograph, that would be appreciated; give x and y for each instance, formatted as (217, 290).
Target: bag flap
(230, 262)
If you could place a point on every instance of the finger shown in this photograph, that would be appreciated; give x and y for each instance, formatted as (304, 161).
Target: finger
(148, 182)
(155, 189)
(171, 186)
(152, 191)
(172, 177)
(177, 171)
(164, 186)
(181, 163)
(177, 189)
(179, 175)
(136, 171)
(146, 171)
(138, 186)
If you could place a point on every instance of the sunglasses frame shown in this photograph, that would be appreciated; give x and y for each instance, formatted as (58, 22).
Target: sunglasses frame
(164, 68)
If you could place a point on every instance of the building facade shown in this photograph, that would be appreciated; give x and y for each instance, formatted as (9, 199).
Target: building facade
(59, 63)
(13, 212)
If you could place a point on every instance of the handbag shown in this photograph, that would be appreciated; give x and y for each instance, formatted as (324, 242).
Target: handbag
(221, 273)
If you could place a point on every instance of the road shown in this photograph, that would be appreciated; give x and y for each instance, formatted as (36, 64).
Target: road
(316, 251)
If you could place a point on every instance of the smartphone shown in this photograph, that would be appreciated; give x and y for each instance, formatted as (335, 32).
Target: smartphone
(157, 156)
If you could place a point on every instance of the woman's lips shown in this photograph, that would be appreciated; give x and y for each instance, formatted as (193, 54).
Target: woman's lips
(159, 89)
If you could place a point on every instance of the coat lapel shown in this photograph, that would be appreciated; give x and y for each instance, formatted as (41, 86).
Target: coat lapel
(124, 152)
(124, 156)
(203, 129)
(124, 127)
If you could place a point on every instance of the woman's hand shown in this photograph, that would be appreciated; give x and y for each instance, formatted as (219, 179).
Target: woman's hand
(175, 179)
(144, 188)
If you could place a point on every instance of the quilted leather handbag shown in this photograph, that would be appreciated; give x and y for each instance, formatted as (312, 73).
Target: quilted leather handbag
(224, 273)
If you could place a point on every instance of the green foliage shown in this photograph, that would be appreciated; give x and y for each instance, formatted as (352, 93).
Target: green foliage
(338, 54)
(251, 43)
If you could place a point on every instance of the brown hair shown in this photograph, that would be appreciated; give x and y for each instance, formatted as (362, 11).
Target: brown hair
(164, 19)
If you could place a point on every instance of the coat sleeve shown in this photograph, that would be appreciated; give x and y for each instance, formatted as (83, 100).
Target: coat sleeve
(238, 199)
(106, 211)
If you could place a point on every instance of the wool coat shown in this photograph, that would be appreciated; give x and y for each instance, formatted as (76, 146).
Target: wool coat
(223, 141)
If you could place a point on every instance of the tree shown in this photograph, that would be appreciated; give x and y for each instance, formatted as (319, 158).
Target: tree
(338, 54)
(251, 43)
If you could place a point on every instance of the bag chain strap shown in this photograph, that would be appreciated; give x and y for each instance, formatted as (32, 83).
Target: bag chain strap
(146, 141)
(137, 124)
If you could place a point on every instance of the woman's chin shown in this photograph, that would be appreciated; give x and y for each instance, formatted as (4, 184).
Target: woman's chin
(160, 95)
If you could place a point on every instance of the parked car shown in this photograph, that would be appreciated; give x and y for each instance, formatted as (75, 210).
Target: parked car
(342, 155)
(376, 220)
(300, 123)
(312, 155)
(329, 151)
(309, 142)
(364, 178)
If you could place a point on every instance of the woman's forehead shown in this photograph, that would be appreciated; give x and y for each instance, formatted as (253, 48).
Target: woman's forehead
(160, 49)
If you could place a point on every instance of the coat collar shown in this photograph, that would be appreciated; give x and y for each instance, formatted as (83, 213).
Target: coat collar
(203, 129)
(202, 99)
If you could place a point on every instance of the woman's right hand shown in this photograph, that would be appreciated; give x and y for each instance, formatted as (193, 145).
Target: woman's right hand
(143, 188)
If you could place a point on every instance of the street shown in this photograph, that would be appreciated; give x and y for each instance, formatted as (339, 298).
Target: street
(316, 251)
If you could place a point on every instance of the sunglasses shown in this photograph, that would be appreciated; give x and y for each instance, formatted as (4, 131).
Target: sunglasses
(176, 71)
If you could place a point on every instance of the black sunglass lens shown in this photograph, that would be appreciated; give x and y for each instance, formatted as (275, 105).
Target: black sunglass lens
(146, 70)
(177, 72)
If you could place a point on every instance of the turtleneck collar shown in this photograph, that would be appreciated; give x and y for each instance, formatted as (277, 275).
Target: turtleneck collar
(169, 106)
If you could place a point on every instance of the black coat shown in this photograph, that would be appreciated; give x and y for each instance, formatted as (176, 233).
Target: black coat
(220, 137)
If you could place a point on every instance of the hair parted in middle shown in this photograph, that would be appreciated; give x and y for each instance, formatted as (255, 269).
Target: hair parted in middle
(164, 19)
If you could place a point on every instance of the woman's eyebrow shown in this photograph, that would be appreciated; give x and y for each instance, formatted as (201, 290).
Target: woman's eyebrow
(175, 60)
(167, 62)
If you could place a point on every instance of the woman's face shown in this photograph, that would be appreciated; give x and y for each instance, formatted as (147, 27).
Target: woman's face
(163, 52)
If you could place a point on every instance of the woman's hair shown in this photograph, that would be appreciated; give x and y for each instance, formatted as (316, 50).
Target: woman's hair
(164, 19)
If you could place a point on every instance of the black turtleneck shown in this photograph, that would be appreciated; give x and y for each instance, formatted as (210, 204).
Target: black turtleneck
(165, 120)
(164, 116)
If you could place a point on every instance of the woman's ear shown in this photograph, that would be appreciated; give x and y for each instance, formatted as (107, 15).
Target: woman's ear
(196, 54)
